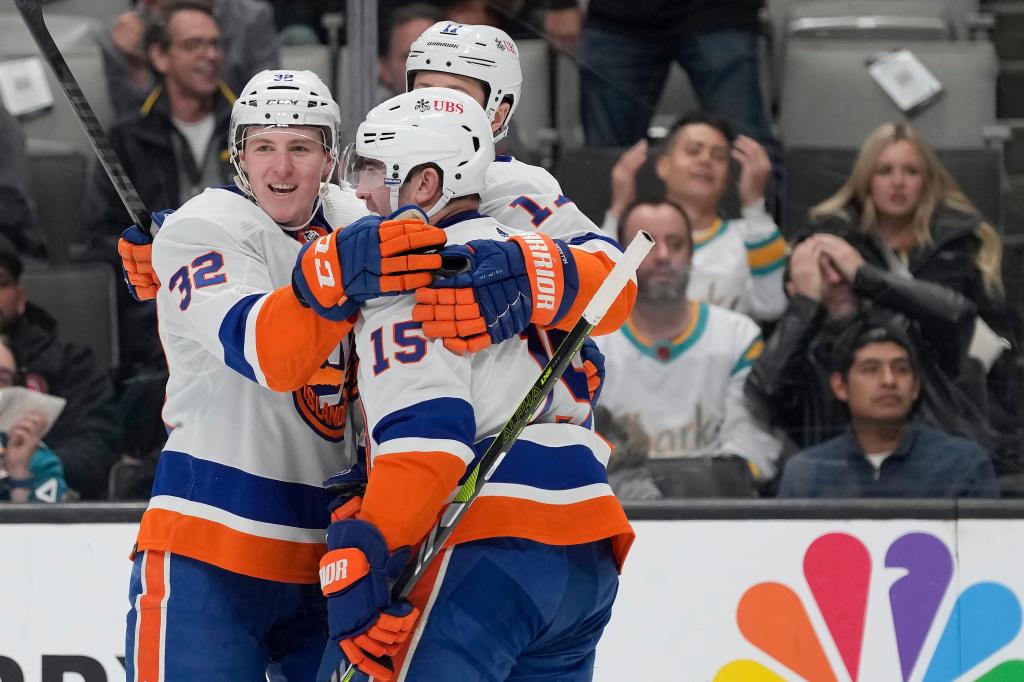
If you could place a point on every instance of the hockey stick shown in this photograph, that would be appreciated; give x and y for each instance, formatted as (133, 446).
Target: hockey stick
(506, 438)
(33, 16)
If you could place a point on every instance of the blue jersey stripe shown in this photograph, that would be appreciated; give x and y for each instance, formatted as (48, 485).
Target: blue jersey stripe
(442, 418)
(591, 236)
(232, 336)
(543, 466)
(241, 493)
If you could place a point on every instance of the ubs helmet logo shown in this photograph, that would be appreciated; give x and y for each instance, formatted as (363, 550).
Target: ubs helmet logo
(322, 402)
(448, 106)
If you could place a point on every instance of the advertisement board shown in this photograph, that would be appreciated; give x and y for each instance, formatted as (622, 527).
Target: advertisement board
(722, 601)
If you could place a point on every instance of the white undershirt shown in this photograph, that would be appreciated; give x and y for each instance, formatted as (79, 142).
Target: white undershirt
(197, 135)
(877, 458)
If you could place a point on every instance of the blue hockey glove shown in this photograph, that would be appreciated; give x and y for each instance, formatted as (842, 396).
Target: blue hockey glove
(528, 279)
(356, 576)
(593, 365)
(136, 250)
(372, 257)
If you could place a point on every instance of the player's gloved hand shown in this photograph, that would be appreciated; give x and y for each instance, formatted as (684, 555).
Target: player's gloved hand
(135, 247)
(356, 576)
(372, 257)
(528, 279)
(348, 487)
(593, 365)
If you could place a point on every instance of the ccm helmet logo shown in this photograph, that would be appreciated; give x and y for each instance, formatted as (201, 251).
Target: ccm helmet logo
(448, 106)
(288, 102)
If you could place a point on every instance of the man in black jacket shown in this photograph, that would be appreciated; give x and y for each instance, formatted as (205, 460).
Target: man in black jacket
(830, 285)
(87, 434)
(885, 452)
(176, 145)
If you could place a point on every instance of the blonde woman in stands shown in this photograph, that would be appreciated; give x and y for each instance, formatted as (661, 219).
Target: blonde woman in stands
(904, 212)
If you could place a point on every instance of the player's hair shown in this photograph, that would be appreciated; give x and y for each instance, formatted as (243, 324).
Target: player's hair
(717, 122)
(403, 15)
(654, 203)
(158, 31)
(939, 189)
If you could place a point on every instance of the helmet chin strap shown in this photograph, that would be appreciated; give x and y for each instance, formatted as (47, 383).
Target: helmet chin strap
(442, 201)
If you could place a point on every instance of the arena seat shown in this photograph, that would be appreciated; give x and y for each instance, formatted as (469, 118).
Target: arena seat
(57, 186)
(813, 175)
(829, 100)
(104, 10)
(707, 476)
(83, 300)
(315, 58)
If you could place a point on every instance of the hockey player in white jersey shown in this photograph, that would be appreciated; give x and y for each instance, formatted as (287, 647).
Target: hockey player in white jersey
(543, 541)
(678, 365)
(226, 560)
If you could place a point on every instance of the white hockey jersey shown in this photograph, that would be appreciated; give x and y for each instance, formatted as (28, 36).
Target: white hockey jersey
(238, 484)
(429, 414)
(737, 264)
(688, 393)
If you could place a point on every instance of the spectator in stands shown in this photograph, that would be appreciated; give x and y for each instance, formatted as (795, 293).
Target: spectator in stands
(885, 452)
(626, 48)
(87, 434)
(678, 365)
(32, 472)
(249, 44)
(398, 31)
(903, 211)
(737, 264)
(175, 146)
(15, 208)
(830, 285)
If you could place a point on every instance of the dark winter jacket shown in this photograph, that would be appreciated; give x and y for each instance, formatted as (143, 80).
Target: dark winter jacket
(87, 434)
(948, 259)
(669, 17)
(791, 377)
(147, 145)
(927, 464)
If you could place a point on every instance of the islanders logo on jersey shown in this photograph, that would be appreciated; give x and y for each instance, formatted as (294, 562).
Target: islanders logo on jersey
(985, 617)
(323, 401)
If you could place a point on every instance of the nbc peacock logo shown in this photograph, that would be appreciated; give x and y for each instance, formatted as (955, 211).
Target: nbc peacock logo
(985, 617)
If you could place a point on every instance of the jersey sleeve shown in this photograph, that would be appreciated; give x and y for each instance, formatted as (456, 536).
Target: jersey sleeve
(419, 419)
(744, 432)
(595, 256)
(217, 292)
(766, 258)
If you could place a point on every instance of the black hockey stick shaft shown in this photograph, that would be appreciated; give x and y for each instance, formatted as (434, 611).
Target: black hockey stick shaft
(506, 438)
(32, 13)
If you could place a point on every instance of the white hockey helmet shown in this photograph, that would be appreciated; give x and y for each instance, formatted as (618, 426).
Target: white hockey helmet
(431, 125)
(485, 53)
(283, 98)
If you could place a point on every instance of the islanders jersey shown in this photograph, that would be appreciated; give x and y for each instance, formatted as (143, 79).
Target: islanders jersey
(430, 414)
(737, 264)
(688, 392)
(256, 398)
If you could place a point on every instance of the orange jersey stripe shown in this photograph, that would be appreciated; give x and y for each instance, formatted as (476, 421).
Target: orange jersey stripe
(149, 639)
(551, 524)
(232, 550)
(592, 269)
(292, 341)
(406, 493)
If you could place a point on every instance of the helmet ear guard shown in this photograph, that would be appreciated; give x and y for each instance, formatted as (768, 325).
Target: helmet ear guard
(484, 53)
(436, 126)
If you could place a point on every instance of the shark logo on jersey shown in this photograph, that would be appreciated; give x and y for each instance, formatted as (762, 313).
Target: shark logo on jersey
(322, 401)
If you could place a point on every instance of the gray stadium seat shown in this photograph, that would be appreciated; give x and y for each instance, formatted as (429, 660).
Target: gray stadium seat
(813, 175)
(533, 115)
(958, 12)
(57, 186)
(829, 100)
(83, 301)
(104, 10)
(315, 58)
(74, 36)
